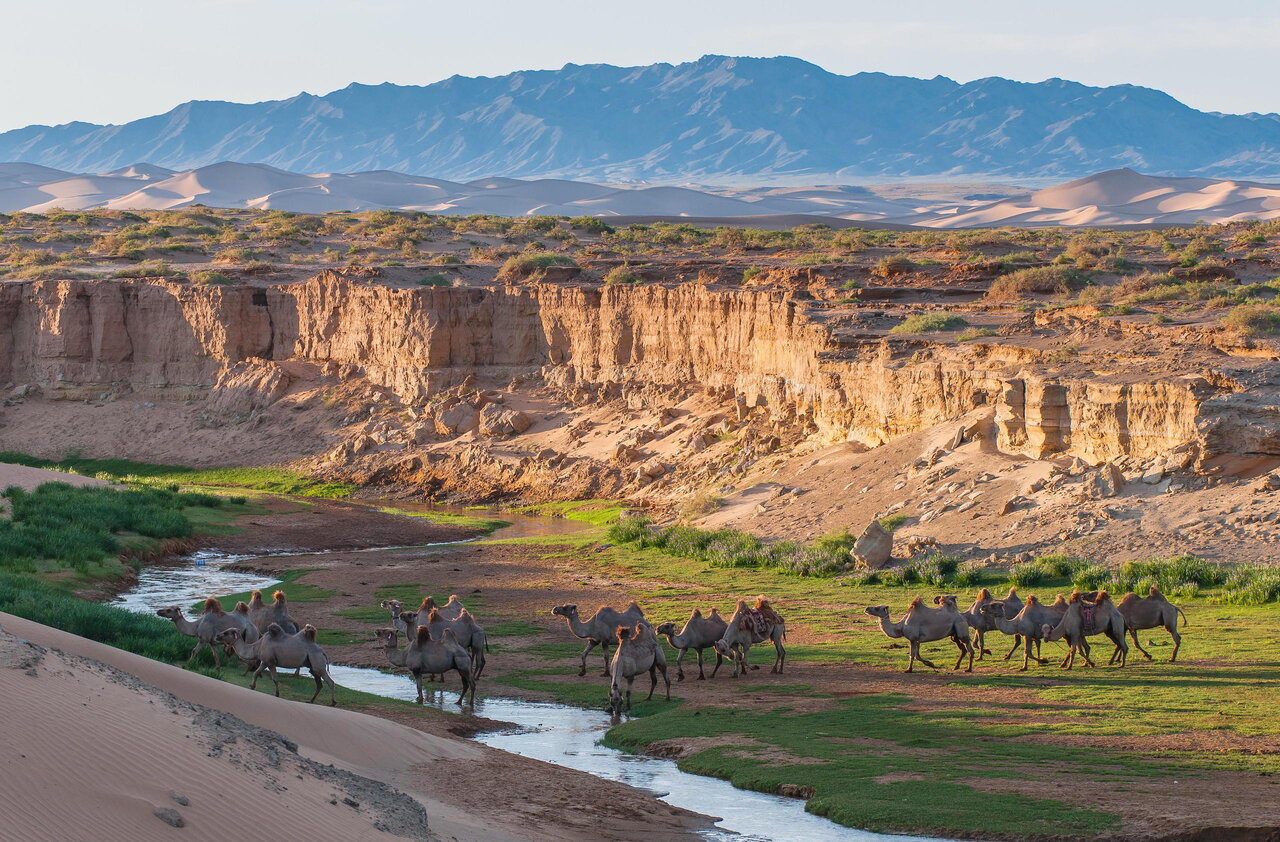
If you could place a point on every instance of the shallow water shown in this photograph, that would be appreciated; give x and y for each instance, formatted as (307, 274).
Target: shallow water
(559, 734)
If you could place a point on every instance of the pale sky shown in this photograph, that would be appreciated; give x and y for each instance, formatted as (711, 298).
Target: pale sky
(105, 62)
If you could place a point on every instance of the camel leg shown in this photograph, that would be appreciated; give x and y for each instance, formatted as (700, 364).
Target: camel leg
(679, 661)
(253, 685)
(1017, 641)
(719, 660)
(966, 648)
(333, 696)
(1177, 641)
(1026, 654)
(921, 658)
(275, 679)
(666, 680)
(591, 644)
(319, 686)
(1145, 653)
(653, 681)
(417, 682)
(605, 647)
(468, 684)
(781, 654)
(702, 676)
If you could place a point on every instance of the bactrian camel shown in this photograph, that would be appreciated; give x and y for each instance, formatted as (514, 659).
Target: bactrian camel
(466, 631)
(600, 629)
(639, 651)
(290, 651)
(923, 624)
(980, 622)
(698, 634)
(1029, 622)
(1150, 612)
(749, 626)
(263, 615)
(214, 620)
(1084, 618)
(430, 656)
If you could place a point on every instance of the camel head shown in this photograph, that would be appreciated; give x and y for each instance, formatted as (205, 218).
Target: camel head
(409, 618)
(568, 611)
(228, 637)
(666, 628)
(392, 605)
(993, 609)
(615, 700)
(946, 601)
(881, 611)
(385, 637)
(171, 612)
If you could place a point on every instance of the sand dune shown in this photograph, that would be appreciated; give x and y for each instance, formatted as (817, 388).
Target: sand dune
(1116, 197)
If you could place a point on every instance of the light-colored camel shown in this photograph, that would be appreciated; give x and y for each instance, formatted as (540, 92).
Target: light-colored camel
(1084, 618)
(1150, 612)
(979, 623)
(1028, 623)
(465, 630)
(430, 656)
(263, 615)
(396, 608)
(743, 631)
(923, 624)
(698, 633)
(207, 626)
(451, 610)
(290, 651)
(600, 629)
(639, 651)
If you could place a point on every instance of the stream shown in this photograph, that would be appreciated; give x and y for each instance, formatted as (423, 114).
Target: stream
(554, 733)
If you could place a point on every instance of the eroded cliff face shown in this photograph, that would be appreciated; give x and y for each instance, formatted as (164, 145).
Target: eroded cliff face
(766, 351)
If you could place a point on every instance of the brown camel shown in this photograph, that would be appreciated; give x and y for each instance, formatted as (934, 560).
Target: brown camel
(600, 629)
(923, 624)
(1084, 618)
(466, 631)
(431, 656)
(291, 651)
(1027, 624)
(639, 651)
(698, 633)
(212, 621)
(263, 615)
(749, 626)
(1150, 612)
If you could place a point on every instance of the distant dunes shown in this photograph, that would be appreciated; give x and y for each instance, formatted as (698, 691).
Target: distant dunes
(1116, 197)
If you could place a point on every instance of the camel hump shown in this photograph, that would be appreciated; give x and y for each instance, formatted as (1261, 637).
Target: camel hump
(309, 633)
(1103, 596)
(715, 612)
(449, 636)
(697, 614)
(1033, 600)
(742, 605)
(1013, 592)
(624, 633)
(274, 630)
(453, 597)
(434, 616)
(241, 608)
(1059, 600)
(761, 603)
(1076, 596)
(916, 603)
(424, 634)
(1154, 593)
(212, 606)
(278, 597)
(255, 596)
(634, 606)
(984, 594)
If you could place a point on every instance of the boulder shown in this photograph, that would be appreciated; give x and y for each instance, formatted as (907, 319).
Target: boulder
(874, 547)
(456, 419)
(496, 420)
(1107, 481)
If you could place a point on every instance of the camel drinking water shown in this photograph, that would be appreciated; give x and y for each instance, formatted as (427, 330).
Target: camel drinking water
(600, 629)
(749, 626)
(698, 633)
(639, 651)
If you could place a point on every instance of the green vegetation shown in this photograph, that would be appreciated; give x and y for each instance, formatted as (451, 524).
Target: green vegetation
(594, 512)
(435, 279)
(621, 275)
(271, 480)
(1017, 285)
(476, 522)
(974, 333)
(523, 266)
(1254, 320)
(60, 527)
(929, 322)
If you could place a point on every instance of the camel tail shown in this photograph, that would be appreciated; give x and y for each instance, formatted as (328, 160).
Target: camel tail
(212, 606)
(1184, 615)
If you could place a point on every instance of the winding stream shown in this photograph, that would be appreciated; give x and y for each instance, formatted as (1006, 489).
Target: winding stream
(554, 733)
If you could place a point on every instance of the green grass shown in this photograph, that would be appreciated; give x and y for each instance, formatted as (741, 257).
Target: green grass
(594, 512)
(929, 323)
(294, 591)
(477, 522)
(272, 480)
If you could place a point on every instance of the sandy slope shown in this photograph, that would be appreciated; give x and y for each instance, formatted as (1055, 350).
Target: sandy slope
(29, 478)
(99, 744)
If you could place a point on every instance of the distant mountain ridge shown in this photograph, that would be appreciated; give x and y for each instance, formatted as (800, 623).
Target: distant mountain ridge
(716, 119)
(1116, 197)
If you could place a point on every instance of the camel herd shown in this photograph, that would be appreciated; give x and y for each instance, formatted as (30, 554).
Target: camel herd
(1072, 620)
(446, 638)
(639, 648)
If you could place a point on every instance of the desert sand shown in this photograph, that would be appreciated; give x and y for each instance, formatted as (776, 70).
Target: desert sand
(108, 738)
(1116, 197)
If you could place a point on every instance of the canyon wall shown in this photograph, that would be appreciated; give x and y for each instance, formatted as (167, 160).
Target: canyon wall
(758, 348)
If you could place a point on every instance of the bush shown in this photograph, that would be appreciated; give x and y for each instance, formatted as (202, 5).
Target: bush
(1027, 575)
(210, 277)
(974, 333)
(929, 322)
(621, 275)
(1254, 319)
(894, 264)
(1039, 279)
(890, 523)
(435, 279)
(522, 266)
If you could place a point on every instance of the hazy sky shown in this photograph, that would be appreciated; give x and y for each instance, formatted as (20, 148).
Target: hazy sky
(113, 62)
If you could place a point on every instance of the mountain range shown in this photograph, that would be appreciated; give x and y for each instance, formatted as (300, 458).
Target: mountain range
(1116, 197)
(719, 119)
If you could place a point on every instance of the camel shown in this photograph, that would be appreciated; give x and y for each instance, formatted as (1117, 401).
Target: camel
(432, 656)
(749, 626)
(639, 651)
(263, 615)
(466, 631)
(1027, 623)
(600, 629)
(981, 621)
(698, 633)
(1084, 618)
(1150, 612)
(923, 624)
(277, 649)
(451, 610)
(212, 621)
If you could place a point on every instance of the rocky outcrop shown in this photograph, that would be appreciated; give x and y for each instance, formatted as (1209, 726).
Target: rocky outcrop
(763, 351)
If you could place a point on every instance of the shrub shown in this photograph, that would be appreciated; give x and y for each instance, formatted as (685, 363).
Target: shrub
(1254, 319)
(890, 523)
(435, 279)
(929, 322)
(1027, 575)
(210, 277)
(1039, 279)
(621, 275)
(892, 265)
(751, 272)
(444, 259)
(522, 266)
(974, 333)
